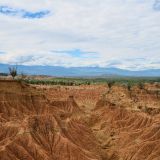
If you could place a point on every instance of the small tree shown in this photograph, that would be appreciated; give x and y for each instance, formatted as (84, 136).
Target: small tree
(110, 84)
(141, 85)
(129, 87)
(23, 76)
(13, 71)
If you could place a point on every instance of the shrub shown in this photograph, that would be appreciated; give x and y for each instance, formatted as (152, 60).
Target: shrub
(129, 86)
(23, 76)
(141, 85)
(13, 71)
(110, 84)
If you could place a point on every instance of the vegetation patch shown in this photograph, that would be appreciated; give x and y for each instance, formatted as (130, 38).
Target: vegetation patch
(128, 81)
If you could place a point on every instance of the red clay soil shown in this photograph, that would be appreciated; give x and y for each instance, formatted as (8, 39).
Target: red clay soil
(79, 123)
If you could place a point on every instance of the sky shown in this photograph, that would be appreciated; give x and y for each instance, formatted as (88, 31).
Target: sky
(75, 33)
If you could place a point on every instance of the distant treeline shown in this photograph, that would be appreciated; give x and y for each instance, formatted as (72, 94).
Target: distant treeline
(130, 81)
(3, 74)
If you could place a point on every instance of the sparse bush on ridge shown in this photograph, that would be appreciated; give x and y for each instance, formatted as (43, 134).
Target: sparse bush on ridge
(23, 76)
(141, 85)
(129, 86)
(13, 71)
(110, 84)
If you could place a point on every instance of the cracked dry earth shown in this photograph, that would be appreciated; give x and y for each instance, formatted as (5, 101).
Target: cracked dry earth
(79, 122)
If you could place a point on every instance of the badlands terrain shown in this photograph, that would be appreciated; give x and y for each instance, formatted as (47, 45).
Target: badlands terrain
(92, 122)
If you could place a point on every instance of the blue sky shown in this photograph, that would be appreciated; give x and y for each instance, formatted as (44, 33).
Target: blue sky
(9, 11)
(107, 33)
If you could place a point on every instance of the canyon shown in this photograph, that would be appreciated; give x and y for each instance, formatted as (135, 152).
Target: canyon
(87, 122)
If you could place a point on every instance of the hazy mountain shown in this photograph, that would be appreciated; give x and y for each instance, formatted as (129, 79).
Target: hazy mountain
(78, 71)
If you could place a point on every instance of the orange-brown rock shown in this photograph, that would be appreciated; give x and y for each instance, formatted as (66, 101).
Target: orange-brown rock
(30, 129)
(79, 122)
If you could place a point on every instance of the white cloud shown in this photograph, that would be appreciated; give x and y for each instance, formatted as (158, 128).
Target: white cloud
(115, 29)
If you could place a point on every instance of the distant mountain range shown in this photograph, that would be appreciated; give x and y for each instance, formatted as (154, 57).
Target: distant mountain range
(79, 71)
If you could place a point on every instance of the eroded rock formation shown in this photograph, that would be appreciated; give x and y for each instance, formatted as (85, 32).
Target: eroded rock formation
(79, 123)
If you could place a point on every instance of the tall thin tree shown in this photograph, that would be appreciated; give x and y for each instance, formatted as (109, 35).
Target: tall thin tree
(13, 71)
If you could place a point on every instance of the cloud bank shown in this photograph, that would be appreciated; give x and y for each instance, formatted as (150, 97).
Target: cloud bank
(107, 33)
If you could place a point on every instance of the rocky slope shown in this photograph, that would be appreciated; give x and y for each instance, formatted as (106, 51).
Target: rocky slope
(32, 127)
(79, 123)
